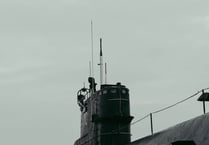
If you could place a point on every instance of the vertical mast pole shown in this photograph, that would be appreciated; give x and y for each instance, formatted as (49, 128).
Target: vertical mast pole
(151, 123)
(101, 63)
(89, 68)
(92, 49)
(203, 102)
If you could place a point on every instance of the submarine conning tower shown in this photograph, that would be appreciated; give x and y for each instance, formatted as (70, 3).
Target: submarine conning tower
(105, 115)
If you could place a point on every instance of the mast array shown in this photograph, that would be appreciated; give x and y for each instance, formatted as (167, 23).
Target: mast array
(101, 64)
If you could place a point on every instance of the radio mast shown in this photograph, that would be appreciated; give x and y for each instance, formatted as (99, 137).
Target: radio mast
(101, 63)
(92, 50)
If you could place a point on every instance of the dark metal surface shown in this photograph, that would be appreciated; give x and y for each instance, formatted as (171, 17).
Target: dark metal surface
(107, 119)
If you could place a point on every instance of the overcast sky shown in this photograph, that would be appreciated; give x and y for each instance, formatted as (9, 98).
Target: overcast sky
(158, 48)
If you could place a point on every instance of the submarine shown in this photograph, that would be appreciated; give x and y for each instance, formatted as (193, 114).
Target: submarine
(106, 118)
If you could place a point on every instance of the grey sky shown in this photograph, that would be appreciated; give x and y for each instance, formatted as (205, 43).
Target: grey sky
(157, 48)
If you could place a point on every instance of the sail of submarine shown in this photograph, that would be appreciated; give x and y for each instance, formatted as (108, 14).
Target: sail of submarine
(105, 113)
(106, 119)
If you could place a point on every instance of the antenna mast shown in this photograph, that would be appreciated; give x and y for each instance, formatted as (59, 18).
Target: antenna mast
(101, 63)
(105, 73)
(89, 68)
(92, 49)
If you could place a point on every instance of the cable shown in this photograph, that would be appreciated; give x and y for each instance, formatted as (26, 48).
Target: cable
(139, 120)
(116, 130)
(163, 109)
(160, 110)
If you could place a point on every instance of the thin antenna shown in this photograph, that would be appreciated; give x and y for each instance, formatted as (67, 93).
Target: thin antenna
(101, 63)
(92, 49)
(89, 68)
(105, 73)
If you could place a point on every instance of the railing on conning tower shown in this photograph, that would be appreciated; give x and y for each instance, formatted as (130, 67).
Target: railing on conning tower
(150, 115)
